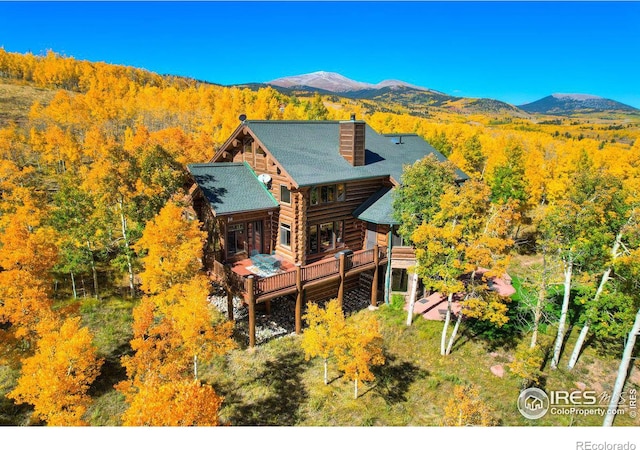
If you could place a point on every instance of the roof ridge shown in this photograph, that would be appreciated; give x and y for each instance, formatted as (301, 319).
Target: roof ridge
(306, 122)
(216, 164)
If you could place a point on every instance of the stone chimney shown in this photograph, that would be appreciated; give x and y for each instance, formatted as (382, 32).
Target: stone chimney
(352, 141)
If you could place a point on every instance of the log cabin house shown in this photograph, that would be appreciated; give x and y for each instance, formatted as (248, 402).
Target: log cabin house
(304, 208)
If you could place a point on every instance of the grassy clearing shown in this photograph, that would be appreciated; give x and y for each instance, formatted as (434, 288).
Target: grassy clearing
(274, 385)
(16, 101)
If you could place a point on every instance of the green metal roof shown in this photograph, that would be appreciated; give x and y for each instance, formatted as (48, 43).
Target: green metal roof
(378, 208)
(309, 151)
(231, 187)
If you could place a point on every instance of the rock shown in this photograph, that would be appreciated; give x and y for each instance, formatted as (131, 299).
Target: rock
(497, 370)
(580, 385)
(372, 308)
(494, 354)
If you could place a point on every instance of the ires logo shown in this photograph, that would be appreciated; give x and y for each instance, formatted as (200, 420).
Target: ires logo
(574, 398)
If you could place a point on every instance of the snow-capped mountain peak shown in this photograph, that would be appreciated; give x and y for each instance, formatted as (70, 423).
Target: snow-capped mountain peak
(334, 82)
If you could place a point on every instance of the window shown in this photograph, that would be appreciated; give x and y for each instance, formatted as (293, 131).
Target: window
(325, 236)
(313, 239)
(397, 240)
(285, 234)
(285, 194)
(399, 280)
(235, 239)
(329, 193)
(339, 229)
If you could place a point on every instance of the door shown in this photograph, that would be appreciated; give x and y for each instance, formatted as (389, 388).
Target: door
(255, 241)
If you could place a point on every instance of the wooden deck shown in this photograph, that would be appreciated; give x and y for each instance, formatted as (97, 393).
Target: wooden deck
(265, 288)
(324, 274)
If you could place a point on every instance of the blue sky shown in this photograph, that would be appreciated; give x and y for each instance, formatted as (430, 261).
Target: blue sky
(512, 51)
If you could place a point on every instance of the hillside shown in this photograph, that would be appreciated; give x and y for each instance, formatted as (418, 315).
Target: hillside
(571, 104)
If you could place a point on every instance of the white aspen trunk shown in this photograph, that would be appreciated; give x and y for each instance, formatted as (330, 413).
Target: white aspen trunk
(537, 315)
(445, 328)
(623, 369)
(195, 367)
(568, 268)
(94, 272)
(73, 286)
(123, 222)
(454, 333)
(579, 343)
(355, 389)
(326, 376)
(536, 318)
(412, 298)
(606, 276)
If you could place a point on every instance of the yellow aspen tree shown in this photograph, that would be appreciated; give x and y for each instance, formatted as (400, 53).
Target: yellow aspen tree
(360, 349)
(466, 408)
(325, 332)
(173, 247)
(194, 321)
(173, 403)
(55, 380)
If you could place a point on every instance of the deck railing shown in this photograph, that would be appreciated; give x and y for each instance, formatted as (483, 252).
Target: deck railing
(274, 283)
(320, 269)
(286, 280)
(224, 274)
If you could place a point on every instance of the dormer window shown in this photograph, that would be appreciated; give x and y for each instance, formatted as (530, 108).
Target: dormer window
(285, 194)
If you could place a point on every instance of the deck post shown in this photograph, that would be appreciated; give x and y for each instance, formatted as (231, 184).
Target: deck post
(341, 288)
(374, 283)
(299, 294)
(229, 303)
(387, 277)
(267, 306)
(252, 311)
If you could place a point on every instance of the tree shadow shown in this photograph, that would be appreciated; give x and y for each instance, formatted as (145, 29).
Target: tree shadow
(395, 378)
(111, 372)
(287, 393)
(12, 414)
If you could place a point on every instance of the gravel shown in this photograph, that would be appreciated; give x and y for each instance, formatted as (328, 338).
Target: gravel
(281, 321)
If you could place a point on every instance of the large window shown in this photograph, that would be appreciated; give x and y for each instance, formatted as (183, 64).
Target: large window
(235, 239)
(285, 194)
(325, 236)
(327, 194)
(285, 235)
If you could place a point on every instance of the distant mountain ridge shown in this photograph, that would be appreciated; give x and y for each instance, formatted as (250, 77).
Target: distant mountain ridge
(567, 104)
(421, 100)
(334, 82)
